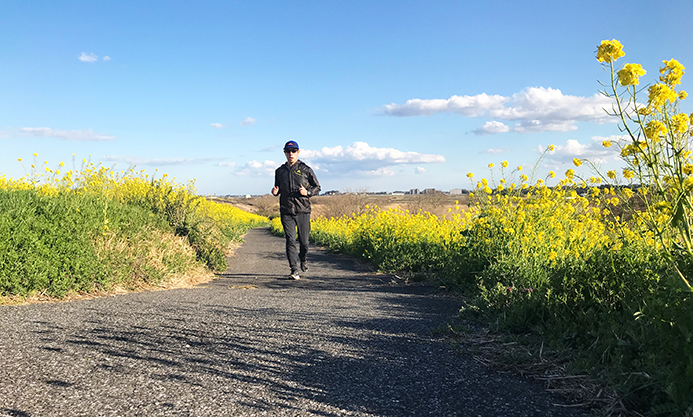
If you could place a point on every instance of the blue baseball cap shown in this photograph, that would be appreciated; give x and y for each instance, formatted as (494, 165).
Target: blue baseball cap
(290, 145)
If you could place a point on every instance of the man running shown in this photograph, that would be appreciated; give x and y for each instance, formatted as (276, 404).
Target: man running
(295, 182)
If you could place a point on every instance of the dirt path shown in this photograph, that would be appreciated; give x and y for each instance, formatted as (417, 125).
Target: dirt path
(340, 342)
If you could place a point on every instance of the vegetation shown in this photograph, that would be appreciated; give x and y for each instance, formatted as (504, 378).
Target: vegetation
(93, 229)
(601, 265)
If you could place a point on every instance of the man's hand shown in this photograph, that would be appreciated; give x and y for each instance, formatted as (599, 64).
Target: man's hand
(275, 190)
(303, 191)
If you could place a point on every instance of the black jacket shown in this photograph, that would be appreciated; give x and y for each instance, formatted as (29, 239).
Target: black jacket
(289, 179)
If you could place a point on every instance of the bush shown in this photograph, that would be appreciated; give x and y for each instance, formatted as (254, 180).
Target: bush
(95, 228)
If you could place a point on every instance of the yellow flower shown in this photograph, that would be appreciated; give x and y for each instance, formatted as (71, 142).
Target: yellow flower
(491, 165)
(570, 174)
(524, 177)
(644, 111)
(577, 162)
(611, 174)
(551, 148)
(35, 154)
(470, 175)
(659, 94)
(654, 129)
(552, 174)
(680, 122)
(627, 192)
(628, 174)
(672, 71)
(519, 168)
(606, 143)
(20, 159)
(609, 51)
(504, 164)
(683, 95)
(630, 73)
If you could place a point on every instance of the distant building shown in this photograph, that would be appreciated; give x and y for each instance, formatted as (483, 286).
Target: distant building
(331, 192)
(414, 191)
(456, 191)
(429, 191)
(398, 193)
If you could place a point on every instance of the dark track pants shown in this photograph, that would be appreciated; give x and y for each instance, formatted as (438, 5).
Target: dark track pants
(290, 223)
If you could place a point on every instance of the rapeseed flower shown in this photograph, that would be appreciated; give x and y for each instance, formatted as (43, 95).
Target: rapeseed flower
(630, 74)
(609, 51)
(672, 71)
(659, 95)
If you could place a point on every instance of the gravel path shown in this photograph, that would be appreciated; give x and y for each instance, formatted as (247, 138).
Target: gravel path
(340, 342)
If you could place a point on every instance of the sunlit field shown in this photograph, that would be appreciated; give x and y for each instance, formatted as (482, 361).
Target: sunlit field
(601, 265)
(94, 229)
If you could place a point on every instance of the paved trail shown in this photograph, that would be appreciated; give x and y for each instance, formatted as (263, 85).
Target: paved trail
(341, 342)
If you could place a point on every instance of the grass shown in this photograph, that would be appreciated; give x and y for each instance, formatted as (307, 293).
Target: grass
(103, 232)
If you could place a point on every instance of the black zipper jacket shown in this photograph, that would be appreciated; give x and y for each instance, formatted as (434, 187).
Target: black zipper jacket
(289, 179)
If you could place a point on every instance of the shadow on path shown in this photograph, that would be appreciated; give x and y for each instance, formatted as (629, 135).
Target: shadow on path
(342, 341)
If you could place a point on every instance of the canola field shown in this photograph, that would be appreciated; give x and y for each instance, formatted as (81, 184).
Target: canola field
(601, 264)
(91, 229)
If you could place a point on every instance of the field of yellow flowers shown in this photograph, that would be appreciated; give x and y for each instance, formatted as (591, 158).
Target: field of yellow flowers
(600, 264)
(93, 228)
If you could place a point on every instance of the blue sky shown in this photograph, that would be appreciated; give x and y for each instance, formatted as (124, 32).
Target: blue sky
(380, 95)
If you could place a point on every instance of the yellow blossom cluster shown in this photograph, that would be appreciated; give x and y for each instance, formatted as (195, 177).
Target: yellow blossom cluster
(630, 74)
(540, 225)
(163, 195)
(609, 51)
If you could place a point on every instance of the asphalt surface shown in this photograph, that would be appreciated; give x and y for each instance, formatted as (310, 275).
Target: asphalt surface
(342, 341)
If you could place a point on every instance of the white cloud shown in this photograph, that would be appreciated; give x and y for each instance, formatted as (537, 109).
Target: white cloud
(248, 121)
(420, 170)
(362, 159)
(106, 58)
(492, 127)
(495, 150)
(133, 160)
(71, 135)
(216, 125)
(536, 109)
(593, 151)
(361, 151)
(380, 172)
(356, 160)
(258, 169)
(227, 164)
(88, 57)
(533, 126)
(471, 106)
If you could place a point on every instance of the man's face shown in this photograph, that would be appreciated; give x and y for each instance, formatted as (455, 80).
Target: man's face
(291, 155)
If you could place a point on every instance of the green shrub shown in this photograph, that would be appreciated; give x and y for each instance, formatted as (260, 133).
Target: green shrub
(46, 244)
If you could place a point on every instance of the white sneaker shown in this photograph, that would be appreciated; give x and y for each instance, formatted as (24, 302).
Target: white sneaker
(294, 275)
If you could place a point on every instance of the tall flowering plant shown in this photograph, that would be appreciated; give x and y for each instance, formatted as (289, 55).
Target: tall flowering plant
(656, 150)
